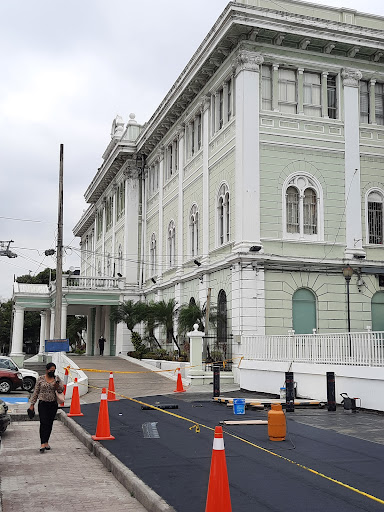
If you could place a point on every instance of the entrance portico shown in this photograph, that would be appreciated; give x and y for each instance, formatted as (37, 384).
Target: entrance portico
(89, 297)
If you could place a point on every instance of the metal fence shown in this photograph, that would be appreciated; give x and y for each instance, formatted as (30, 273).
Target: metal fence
(218, 351)
(355, 348)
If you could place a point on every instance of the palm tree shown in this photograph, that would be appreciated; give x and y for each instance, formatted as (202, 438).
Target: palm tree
(164, 313)
(129, 312)
(149, 317)
(189, 315)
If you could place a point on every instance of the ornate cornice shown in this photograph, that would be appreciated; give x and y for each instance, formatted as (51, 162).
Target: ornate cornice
(351, 77)
(247, 60)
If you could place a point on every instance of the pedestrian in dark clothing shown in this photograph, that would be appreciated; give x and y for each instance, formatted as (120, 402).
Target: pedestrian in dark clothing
(101, 344)
(45, 392)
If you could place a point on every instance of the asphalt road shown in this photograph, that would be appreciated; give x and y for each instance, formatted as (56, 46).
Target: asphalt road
(264, 476)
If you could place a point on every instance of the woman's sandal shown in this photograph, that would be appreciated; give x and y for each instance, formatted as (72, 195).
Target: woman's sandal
(48, 447)
(42, 450)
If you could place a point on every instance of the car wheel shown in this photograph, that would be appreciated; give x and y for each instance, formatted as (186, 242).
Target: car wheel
(5, 386)
(28, 384)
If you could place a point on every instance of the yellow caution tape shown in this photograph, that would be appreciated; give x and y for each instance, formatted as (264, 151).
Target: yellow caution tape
(196, 427)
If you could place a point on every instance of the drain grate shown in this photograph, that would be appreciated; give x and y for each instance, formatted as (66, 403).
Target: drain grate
(150, 429)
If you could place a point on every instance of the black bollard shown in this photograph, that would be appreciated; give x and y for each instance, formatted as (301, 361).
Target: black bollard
(331, 396)
(290, 392)
(216, 379)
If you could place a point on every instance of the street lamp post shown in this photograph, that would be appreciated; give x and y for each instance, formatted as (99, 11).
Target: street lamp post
(347, 273)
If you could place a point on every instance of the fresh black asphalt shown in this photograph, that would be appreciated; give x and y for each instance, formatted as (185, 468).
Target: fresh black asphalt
(176, 464)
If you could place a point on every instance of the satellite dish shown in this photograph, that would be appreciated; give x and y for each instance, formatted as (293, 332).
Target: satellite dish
(71, 269)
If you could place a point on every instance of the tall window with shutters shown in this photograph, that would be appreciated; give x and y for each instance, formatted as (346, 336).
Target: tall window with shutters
(312, 94)
(171, 244)
(223, 215)
(375, 230)
(287, 91)
(266, 87)
(379, 103)
(152, 255)
(194, 230)
(364, 101)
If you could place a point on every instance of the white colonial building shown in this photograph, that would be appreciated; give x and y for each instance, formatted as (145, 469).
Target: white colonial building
(260, 176)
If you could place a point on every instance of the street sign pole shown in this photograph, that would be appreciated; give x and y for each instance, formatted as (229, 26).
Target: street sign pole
(59, 260)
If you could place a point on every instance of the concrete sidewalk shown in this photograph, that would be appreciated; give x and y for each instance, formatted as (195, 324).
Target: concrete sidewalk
(68, 477)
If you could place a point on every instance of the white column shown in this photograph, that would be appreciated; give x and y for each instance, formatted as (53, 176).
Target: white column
(64, 308)
(17, 333)
(97, 330)
(300, 91)
(160, 258)
(103, 265)
(107, 330)
(196, 373)
(47, 324)
(88, 346)
(275, 87)
(181, 225)
(114, 211)
(372, 102)
(324, 94)
(354, 235)
(247, 174)
(225, 103)
(204, 218)
(52, 326)
(43, 326)
(131, 241)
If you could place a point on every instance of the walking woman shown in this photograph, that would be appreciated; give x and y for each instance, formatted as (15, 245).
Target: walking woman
(45, 392)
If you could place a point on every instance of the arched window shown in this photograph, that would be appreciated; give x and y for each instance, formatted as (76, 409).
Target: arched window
(108, 265)
(99, 268)
(304, 311)
(377, 311)
(171, 244)
(152, 252)
(375, 230)
(223, 215)
(303, 201)
(192, 301)
(222, 317)
(194, 230)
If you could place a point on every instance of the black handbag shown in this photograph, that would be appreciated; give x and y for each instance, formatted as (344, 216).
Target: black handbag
(31, 413)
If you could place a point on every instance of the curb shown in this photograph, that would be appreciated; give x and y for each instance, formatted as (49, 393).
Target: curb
(138, 489)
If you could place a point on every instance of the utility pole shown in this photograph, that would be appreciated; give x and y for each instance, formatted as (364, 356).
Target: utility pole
(4, 249)
(59, 253)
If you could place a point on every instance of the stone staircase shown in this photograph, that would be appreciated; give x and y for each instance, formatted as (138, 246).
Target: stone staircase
(37, 366)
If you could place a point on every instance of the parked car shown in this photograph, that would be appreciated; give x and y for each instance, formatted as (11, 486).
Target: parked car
(29, 376)
(5, 419)
(10, 380)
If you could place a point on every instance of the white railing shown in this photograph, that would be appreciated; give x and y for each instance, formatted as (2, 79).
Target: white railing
(355, 348)
(93, 283)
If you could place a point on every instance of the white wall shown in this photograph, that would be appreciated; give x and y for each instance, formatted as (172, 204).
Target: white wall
(364, 382)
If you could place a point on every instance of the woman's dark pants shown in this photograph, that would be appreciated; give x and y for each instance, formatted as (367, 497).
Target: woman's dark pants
(47, 413)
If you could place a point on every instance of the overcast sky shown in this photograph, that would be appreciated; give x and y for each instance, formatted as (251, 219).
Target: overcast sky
(67, 69)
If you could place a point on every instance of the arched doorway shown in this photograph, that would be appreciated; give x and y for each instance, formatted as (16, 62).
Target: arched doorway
(304, 311)
(377, 311)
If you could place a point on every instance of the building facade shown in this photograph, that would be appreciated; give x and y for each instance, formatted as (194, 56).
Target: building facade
(258, 179)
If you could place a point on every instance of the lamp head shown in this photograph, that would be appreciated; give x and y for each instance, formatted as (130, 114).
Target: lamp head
(347, 272)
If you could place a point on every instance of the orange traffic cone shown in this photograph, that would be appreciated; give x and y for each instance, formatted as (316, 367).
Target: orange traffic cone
(65, 383)
(218, 497)
(111, 390)
(179, 386)
(75, 402)
(103, 431)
